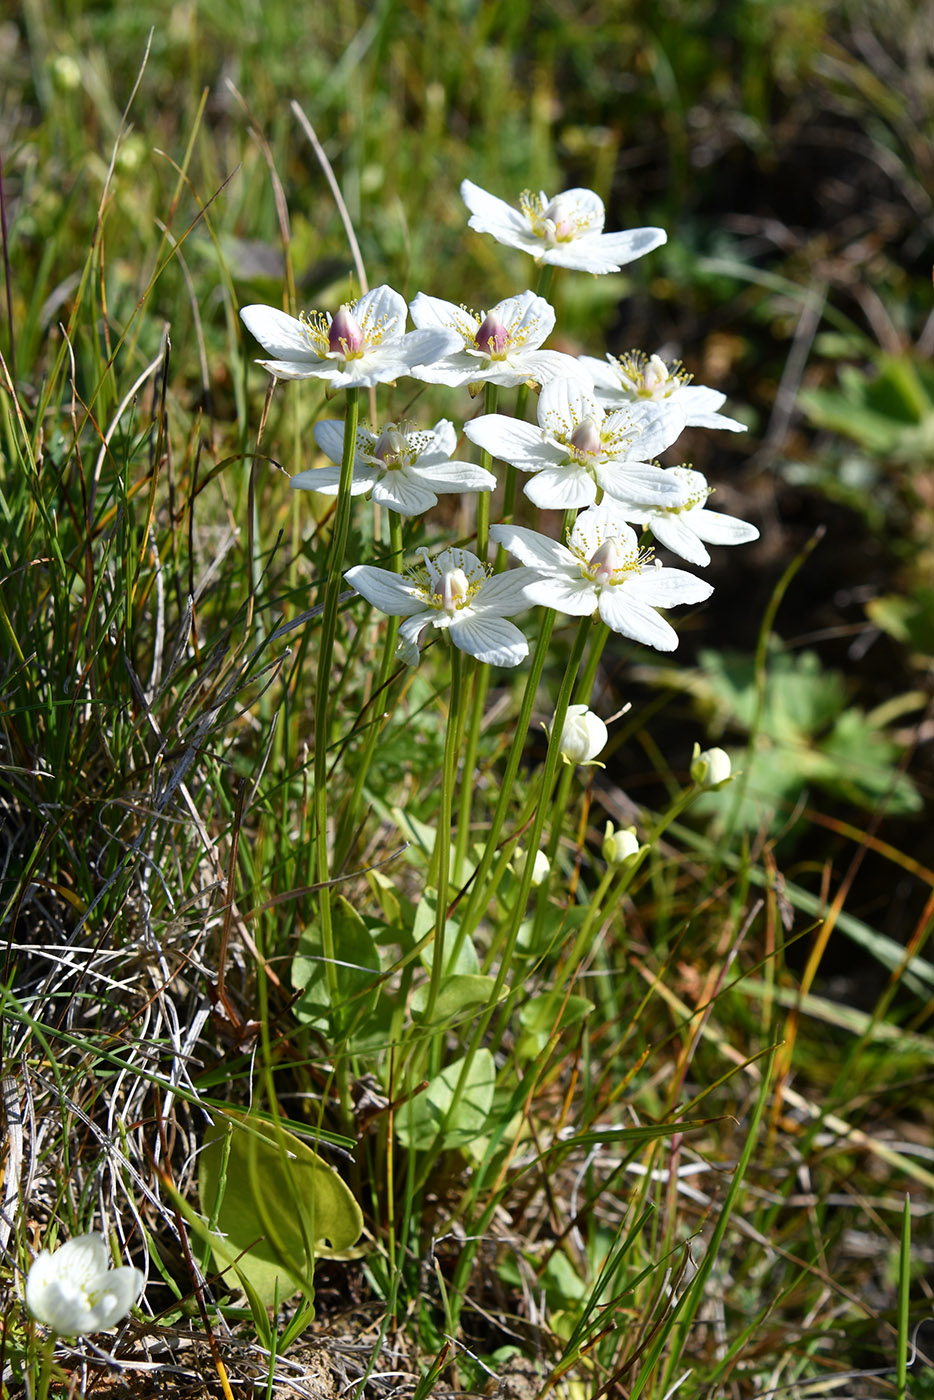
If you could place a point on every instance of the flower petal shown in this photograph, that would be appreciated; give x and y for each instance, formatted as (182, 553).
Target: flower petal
(503, 595)
(511, 440)
(449, 477)
(561, 488)
(281, 335)
(632, 618)
(665, 588)
(492, 215)
(391, 593)
(531, 548)
(674, 532)
(327, 479)
(404, 493)
(716, 528)
(489, 639)
(384, 310)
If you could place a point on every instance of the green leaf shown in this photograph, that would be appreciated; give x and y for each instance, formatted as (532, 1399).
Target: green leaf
(421, 1119)
(541, 1017)
(357, 974)
(458, 995)
(277, 1207)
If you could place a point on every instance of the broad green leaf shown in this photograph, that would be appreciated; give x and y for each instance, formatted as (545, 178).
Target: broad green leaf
(420, 1120)
(458, 995)
(357, 974)
(543, 1015)
(278, 1206)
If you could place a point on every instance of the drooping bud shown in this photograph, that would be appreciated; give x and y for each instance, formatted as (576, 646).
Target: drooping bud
(454, 588)
(392, 446)
(584, 736)
(620, 847)
(585, 439)
(345, 334)
(493, 335)
(710, 768)
(656, 375)
(605, 561)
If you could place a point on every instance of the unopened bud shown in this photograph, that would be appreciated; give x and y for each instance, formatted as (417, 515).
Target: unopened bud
(710, 768)
(620, 847)
(584, 736)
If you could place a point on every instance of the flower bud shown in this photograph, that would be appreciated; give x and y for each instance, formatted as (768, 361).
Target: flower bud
(541, 868)
(493, 335)
(584, 736)
(710, 768)
(345, 334)
(620, 847)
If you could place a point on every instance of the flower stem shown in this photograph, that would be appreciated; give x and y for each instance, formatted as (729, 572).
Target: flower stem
(442, 852)
(352, 811)
(323, 710)
(483, 497)
(525, 884)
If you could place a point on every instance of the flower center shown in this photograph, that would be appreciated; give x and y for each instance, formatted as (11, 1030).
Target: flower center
(648, 377)
(392, 449)
(448, 590)
(695, 491)
(345, 335)
(561, 220)
(612, 562)
(586, 441)
(493, 335)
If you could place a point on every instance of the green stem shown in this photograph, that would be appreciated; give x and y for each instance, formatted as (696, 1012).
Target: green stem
(352, 812)
(483, 497)
(480, 893)
(525, 885)
(45, 1370)
(442, 853)
(323, 711)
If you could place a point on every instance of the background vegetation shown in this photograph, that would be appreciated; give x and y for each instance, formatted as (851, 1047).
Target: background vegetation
(768, 971)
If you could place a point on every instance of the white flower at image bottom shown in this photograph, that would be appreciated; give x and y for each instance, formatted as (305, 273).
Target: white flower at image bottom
(603, 570)
(404, 468)
(75, 1291)
(566, 229)
(365, 343)
(455, 593)
(684, 524)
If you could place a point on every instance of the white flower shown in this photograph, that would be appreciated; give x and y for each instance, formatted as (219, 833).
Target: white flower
(578, 448)
(453, 592)
(710, 768)
(584, 736)
(620, 847)
(635, 377)
(682, 526)
(404, 468)
(499, 346)
(603, 570)
(566, 230)
(74, 1291)
(364, 344)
